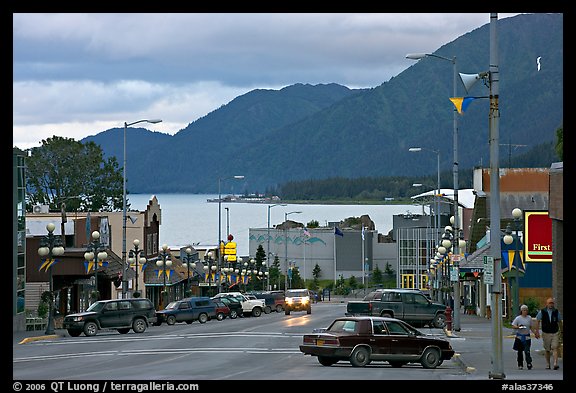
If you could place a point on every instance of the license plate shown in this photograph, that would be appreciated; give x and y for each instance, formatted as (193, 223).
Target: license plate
(319, 342)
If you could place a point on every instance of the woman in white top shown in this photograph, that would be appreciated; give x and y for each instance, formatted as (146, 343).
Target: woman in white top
(523, 326)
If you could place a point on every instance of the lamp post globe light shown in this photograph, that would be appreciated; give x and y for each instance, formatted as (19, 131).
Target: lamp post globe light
(124, 261)
(220, 247)
(509, 239)
(189, 263)
(164, 262)
(135, 256)
(50, 247)
(95, 252)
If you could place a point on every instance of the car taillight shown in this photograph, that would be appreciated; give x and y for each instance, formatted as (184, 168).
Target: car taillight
(331, 341)
(369, 306)
(308, 340)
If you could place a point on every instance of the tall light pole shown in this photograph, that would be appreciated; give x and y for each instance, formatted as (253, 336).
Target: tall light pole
(286, 245)
(220, 248)
(97, 253)
(508, 239)
(124, 261)
(50, 246)
(456, 250)
(268, 234)
(189, 263)
(134, 256)
(227, 221)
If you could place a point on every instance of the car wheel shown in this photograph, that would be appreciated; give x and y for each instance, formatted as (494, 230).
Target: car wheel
(139, 325)
(386, 314)
(74, 332)
(203, 318)
(439, 321)
(90, 328)
(430, 358)
(326, 361)
(397, 364)
(233, 314)
(360, 357)
(123, 330)
(267, 310)
(257, 311)
(279, 308)
(220, 316)
(171, 320)
(309, 311)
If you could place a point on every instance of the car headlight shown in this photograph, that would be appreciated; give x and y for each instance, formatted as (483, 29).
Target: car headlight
(289, 300)
(78, 319)
(305, 300)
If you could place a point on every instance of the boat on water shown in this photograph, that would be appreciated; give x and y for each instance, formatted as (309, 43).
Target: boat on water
(246, 199)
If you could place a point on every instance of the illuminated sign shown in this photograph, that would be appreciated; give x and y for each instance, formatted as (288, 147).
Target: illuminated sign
(538, 236)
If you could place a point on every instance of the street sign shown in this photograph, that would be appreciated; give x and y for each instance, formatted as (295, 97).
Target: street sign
(488, 269)
(453, 274)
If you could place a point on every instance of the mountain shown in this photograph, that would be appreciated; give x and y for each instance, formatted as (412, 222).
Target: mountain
(314, 132)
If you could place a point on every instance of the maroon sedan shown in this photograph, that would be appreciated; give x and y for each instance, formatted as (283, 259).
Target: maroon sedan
(363, 339)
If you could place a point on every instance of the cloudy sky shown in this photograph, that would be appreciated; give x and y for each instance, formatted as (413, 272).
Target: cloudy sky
(76, 75)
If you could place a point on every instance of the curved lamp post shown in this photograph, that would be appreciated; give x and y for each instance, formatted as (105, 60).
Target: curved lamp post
(50, 246)
(286, 245)
(124, 262)
(96, 252)
(239, 177)
(134, 256)
(164, 262)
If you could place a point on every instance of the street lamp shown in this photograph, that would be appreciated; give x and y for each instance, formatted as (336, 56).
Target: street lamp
(50, 246)
(418, 56)
(124, 264)
(164, 262)
(208, 268)
(508, 239)
(96, 252)
(188, 264)
(286, 245)
(134, 256)
(220, 248)
(268, 235)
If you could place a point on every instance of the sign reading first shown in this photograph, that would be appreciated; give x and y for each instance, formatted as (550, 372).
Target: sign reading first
(538, 244)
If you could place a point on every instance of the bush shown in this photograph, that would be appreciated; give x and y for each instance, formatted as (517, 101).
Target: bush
(42, 309)
(533, 306)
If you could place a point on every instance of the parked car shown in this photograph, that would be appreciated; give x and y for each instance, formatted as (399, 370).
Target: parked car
(297, 300)
(188, 310)
(233, 304)
(222, 310)
(253, 307)
(362, 340)
(119, 314)
(274, 301)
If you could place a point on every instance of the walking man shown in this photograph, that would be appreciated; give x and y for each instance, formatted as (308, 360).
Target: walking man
(551, 331)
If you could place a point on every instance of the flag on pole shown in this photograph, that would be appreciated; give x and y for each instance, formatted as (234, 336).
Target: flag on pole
(461, 103)
(338, 232)
(363, 228)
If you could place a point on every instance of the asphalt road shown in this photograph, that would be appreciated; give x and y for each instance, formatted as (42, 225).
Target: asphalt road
(248, 349)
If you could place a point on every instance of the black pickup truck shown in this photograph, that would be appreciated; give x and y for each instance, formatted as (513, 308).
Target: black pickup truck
(405, 304)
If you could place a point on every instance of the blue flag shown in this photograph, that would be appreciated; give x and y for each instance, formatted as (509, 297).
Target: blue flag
(338, 232)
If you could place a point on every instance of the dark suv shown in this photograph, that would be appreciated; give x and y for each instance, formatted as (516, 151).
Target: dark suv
(120, 314)
(200, 309)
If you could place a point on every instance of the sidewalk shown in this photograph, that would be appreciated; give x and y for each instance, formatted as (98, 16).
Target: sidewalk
(473, 346)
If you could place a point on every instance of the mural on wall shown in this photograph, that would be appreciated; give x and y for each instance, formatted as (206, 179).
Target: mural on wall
(297, 240)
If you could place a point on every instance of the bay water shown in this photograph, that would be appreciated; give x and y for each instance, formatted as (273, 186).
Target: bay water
(191, 219)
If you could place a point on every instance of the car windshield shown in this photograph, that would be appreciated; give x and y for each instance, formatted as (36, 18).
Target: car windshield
(97, 306)
(296, 293)
(342, 326)
(171, 305)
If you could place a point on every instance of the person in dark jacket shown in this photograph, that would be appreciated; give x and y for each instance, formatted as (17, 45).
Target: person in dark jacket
(551, 322)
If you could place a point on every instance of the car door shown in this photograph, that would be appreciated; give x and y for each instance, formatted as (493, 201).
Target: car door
(110, 315)
(402, 342)
(380, 340)
(422, 308)
(125, 313)
(184, 312)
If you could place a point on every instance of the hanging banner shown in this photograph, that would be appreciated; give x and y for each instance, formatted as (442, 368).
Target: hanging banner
(538, 242)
